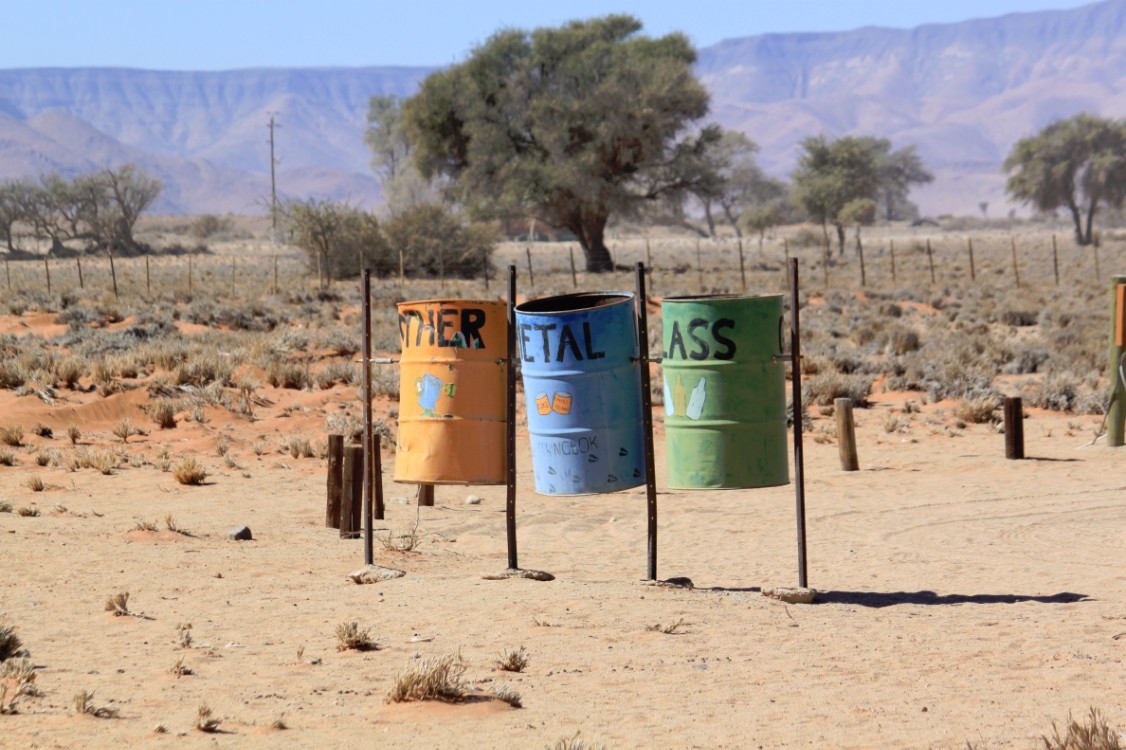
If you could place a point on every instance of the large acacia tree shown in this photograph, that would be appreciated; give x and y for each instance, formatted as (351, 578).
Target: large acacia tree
(1076, 164)
(571, 125)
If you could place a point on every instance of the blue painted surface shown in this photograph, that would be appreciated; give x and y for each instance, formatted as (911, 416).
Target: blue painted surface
(583, 392)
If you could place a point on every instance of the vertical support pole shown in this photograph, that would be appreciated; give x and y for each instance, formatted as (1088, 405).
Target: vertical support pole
(401, 273)
(1016, 269)
(1098, 269)
(232, 277)
(189, 275)
(531, 276)
(510, 421)
(647, 419)
(113, 272)
(8, 273)
(699, 268)
(825, 261)
(81, 283)
(649, 263)
(335, 480)
(365, 369)
(351, 494)
(742, 267)
(485, 266)
(47, 268)
(860, 253)
(426, 495)
(1055, 260)
(970, 247)
(1116, 415)
(148, 278)
(1014, 428)
(891, 248)
(786, 246)
(275, 274)
(441, 267)
(846, 434)
(930, 258)
(799, 457)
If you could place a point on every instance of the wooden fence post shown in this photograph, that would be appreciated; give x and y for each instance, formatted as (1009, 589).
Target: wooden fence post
(189, 275)
(574, 276)
(649, 265)
(1055, 260)
(970, 247)
(113, 272)
(8, 273)
(148, 280)
(1016, 269)
(699, 268)
(426, 495)
(742, 268)
(335, 480)
(81, 283)
(275, 274)
(531, 276)
(1014, 428)
(891, 247)
(860, 253)
(352, 491)
(47, 268)
(846, 434)
(930, 258)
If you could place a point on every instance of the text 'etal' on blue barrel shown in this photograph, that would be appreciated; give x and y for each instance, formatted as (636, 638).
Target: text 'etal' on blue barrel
(578, 356)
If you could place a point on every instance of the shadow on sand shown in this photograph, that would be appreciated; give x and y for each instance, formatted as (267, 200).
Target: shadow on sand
(890, 599)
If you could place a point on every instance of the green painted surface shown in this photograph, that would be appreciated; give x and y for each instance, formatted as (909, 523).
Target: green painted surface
(725, 395)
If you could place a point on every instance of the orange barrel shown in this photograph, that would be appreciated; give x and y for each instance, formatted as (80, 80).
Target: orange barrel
(452, 382)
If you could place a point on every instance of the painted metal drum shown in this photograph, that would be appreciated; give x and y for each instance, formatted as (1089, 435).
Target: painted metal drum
(582, 387)
(725, 395)
(452, 392)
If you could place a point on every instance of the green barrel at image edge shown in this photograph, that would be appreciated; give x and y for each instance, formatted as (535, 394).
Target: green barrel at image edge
(725, 392)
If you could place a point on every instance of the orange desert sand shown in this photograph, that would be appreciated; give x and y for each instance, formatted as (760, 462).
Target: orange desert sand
(962, 598)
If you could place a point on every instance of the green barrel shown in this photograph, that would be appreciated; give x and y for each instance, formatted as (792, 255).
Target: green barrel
(725, 392)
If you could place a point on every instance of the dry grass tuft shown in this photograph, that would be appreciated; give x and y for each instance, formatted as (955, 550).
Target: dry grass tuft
(171, 525)
(143, 525)
(298, 447)
(349, 635)
(279, 723)
(11, 435)
(118, 604)
(977, 410)
(189, 471)
(125, 429)
(5, 506)
(28, 511)
(7, 457)
(508, 695)
(162, 411)
(512, 660)
(1095, 734)
(10, 643)
(204, 721)
(574, 742)
(35, 483)
(439, 679)
(180, 669)
(184, 637)
(673, 629)
(105, 462)
(83, 702)
(74, 434)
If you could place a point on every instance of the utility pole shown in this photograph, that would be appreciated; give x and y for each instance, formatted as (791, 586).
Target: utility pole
(273, 182)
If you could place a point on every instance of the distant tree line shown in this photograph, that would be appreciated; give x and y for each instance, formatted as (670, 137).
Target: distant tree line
(95, 211)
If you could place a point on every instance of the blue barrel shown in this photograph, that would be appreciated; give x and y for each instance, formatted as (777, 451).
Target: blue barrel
(582, 386)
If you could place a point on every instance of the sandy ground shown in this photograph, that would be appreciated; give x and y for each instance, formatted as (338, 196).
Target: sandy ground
(963, 597)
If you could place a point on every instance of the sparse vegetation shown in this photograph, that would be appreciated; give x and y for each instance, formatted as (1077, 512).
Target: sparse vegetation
(83, 703)
(35, 483)
(11, 435)
(350, 636)
(10, 643)
(162, 411)
(430, 679)
(675, 628)
(1093, 734)
(118, 604)
(512, 660)
(125, 429)
(205, 720)
(73, 433)
(189, 471)
(507, 694)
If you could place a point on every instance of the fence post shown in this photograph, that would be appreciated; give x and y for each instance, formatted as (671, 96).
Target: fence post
(1055, 260)
(860, 253)
(930, 258)
(335, 480)
(1014, 428)
(47, 268)
(970, 247)
(742, 268)
(81, 283)
(574, 277)
(113, 272)
(846, 434)
(531, 276)
(699, 268)
(891, 247)
(1016, 269)
(148, 281)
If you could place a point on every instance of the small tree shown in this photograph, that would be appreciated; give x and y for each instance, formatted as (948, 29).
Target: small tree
(832, 173)
(859, 212)
(339, 239)
(763, 218)
(1078, 164)
(435, 241)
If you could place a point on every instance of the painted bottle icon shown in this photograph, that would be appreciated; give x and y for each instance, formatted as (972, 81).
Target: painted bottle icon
(430, 390)
(561, 403)
(543, 403)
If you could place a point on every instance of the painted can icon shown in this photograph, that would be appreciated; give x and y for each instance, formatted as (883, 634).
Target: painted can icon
(543, 403)
(562, 403)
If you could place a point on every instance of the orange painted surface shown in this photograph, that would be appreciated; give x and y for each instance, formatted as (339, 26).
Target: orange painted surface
(452, 392)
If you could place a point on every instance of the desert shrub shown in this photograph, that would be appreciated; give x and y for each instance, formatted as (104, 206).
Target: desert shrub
(899, 341)
(104, 461)
(162, 411)
(510, 696)
(335, 372)
(823, 389)
(439, 679)
(350, 636)
(1026, 360)
(209, 225)
(435, 240)
(512, 660)
(189, 471)
(124, 429)
(11, 435)
(1019, 318)
(67, 371)
(980, 410)
(1057, 392)
(298, 446)
(203, 369)
(10, 643)
(83, 703)
(205, 720)
(1094, 734)
(338, 238)
(7, 457)
(281, 374)
(35, 483)
(118, 604)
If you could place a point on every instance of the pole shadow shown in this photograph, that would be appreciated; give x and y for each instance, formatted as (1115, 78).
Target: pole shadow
(879, 599)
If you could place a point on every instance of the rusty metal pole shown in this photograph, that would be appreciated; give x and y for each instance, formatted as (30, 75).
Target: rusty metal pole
(369, 465)
(799, 459)
(510, 424)
(647, 420)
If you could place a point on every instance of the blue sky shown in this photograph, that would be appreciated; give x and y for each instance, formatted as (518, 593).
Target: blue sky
(229, 34)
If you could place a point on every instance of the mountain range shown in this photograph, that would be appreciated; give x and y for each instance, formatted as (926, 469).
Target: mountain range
(962, 93)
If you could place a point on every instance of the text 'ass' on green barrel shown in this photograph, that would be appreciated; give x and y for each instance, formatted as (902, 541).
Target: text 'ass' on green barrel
(578, 356)
(725, 392)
